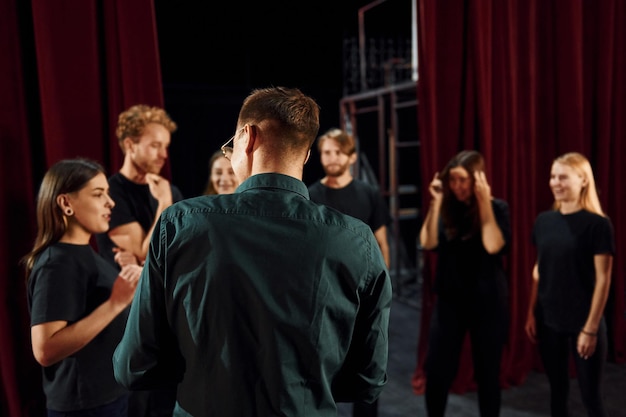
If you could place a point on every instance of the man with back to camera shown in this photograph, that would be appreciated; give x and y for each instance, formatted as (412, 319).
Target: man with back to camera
(140, 196)
(340, 190)
(250, 301)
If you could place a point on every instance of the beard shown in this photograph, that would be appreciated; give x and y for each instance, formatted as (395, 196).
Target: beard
(336, 170)
(144, 166)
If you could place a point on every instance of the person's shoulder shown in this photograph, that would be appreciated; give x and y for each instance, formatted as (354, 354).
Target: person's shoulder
(317, 185)
(592, 215)
(333, 217)
(547, 213)
(500, 203)
(596, 218)
(116, 182)
(547, 216)
(362, 186)
(121, 186)
(202, 203)
(117, 179)
(359, 183)
(61, 254)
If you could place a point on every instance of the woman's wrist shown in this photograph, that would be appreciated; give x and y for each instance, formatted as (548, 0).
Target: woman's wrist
(585, 332)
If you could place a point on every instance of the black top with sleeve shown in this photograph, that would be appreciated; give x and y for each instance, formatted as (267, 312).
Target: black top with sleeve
(133, 203)
(566, 246)
(67, 283)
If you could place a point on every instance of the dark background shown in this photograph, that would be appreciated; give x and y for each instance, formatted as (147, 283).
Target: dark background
(213, 54)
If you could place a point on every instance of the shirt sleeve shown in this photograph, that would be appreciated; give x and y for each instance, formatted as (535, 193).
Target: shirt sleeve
(603, 238)
(364, 373)
(147, 356)
(58, 292)
(380, 213)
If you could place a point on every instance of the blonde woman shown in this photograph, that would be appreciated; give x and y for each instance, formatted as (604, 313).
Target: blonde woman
(570, 286)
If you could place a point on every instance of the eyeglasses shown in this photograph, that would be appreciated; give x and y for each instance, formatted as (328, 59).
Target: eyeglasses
(227, 148)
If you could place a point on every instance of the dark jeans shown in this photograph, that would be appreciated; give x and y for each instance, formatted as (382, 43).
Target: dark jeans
(117, 408)
(486, 321)
(555, 349)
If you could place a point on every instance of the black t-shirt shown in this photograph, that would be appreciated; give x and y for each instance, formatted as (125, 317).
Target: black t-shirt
(566, 246)
(133, 203)
(357, 199)
(67, 283)
(465, 268)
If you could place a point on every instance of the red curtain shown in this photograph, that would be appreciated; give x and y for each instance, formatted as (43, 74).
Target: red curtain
(68, 69)
(523, 81)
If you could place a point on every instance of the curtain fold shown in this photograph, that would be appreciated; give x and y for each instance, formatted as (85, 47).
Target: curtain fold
(538, 79)
(17, 366)
(68, 70)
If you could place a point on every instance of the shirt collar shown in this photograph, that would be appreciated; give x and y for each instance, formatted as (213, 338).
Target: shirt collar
(276, 181)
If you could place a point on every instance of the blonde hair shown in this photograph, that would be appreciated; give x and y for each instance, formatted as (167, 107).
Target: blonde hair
(588, 195)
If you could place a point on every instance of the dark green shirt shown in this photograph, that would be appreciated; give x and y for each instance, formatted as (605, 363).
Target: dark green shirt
(259, 303)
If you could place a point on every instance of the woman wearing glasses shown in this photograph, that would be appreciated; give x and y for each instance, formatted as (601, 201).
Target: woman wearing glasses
(77, 300)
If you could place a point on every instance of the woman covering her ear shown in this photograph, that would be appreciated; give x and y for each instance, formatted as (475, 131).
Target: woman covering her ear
(77, 302)
(470, 230)
(570, 286)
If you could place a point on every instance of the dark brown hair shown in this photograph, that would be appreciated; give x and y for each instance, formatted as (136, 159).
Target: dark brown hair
(66, 176)
(460, 219)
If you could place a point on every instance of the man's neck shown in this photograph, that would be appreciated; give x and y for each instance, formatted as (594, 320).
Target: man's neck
(337, 182)
(130, 171)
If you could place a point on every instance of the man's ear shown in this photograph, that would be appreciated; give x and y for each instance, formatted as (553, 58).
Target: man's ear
(251, 138)
(128, 143)
(353, 158)
(308, 155)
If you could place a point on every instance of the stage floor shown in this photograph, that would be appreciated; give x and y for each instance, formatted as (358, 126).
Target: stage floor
(530, 399)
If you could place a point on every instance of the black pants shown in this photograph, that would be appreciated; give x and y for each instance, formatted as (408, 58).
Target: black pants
(555, 349)
(487, 322)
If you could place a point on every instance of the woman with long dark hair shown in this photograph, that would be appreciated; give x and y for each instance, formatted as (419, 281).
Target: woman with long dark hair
(77, 302)
(470, 231)
(570, 286)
